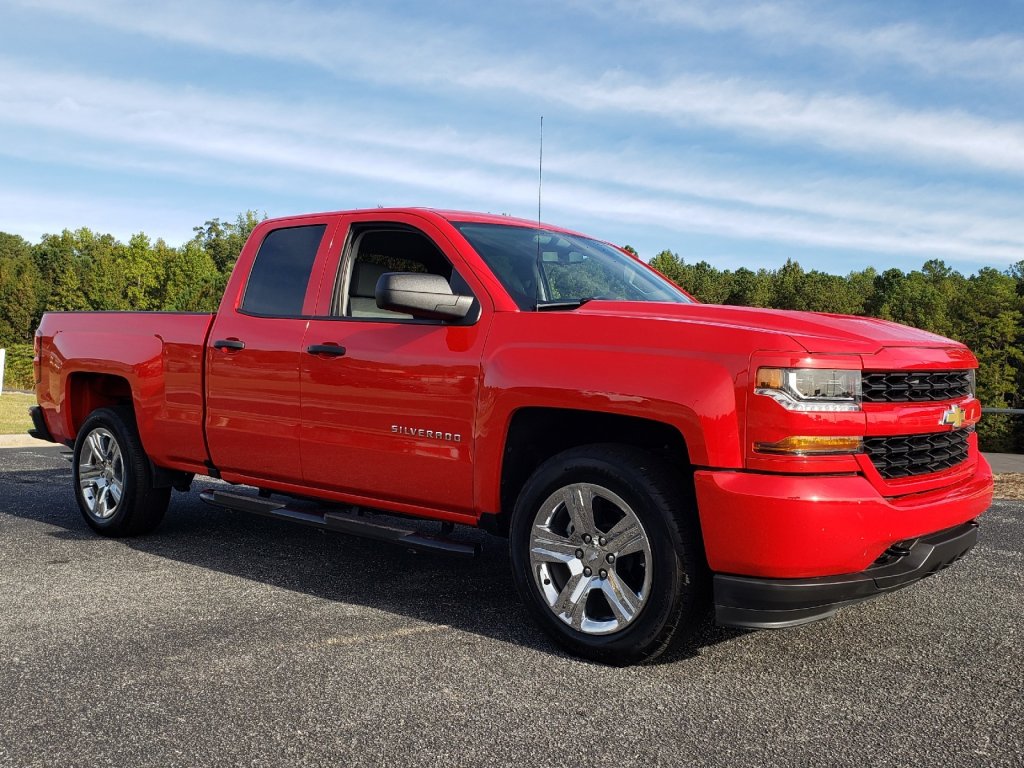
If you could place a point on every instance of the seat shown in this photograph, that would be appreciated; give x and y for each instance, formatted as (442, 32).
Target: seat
(361, 299)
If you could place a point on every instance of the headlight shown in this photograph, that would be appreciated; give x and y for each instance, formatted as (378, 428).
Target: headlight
(811, 389)
(972, 382)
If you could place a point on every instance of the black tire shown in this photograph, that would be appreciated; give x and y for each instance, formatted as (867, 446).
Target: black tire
(674, 600)
(138, 507)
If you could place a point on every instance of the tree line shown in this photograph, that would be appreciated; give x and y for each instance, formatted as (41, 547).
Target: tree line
(85, 270)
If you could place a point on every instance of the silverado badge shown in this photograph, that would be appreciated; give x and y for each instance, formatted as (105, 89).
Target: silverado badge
(953, 417)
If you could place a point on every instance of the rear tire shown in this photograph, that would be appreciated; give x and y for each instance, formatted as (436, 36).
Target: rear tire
(113, 477)
(607, 553)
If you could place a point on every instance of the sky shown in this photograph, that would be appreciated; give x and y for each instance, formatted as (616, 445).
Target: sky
(840, 134)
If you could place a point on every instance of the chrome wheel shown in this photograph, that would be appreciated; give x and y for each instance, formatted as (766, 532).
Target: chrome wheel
(101, 473)
(590, 558)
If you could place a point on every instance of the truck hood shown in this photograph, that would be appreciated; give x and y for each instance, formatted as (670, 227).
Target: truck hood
(814, 331)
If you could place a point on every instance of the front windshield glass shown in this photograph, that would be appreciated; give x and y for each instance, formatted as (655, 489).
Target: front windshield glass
(542, 269)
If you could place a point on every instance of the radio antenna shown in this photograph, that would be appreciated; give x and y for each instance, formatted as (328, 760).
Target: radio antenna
(540, 169)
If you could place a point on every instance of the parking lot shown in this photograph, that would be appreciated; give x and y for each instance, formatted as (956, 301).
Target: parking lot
(226, 639)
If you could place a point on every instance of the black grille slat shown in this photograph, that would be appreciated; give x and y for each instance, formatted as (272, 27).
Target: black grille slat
(910, 455)
(914, 386)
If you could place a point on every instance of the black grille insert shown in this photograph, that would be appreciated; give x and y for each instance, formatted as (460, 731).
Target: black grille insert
(914, 386)
(908, 455)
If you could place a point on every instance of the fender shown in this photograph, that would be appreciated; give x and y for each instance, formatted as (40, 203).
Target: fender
(680, 376)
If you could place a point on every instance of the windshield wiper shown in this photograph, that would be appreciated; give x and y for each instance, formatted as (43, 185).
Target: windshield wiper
(550, 306)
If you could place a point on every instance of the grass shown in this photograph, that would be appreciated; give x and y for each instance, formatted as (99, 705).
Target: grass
(14, 417)
(1010, 486)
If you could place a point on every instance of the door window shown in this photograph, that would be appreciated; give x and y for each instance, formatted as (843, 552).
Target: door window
(375, 252)
(280, 273)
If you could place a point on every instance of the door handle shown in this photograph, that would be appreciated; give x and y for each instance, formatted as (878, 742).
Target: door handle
(332, 350)
(232, 344)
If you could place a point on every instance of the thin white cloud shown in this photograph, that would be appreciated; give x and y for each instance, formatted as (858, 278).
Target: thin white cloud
(202, 134)
(409, 54)
(835, 30)
(852, 124)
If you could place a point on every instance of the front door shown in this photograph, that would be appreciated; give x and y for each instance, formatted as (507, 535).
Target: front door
(392, 417)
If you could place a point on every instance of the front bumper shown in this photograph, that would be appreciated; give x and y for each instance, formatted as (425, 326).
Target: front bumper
(775, 603)
(776, 526)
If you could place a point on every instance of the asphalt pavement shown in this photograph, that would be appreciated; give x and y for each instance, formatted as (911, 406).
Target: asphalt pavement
(226, 639)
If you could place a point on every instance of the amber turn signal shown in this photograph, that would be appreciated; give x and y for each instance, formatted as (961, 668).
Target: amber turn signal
(769, 378)
(812, 445)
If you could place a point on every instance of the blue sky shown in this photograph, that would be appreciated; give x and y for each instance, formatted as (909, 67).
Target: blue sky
(844, 135)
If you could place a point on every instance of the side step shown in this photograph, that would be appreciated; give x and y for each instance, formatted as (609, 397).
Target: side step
(343, 522)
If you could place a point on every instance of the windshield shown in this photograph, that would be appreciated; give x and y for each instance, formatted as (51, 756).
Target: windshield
(553, 270)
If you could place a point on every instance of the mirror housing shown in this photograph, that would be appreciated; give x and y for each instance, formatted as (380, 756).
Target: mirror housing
(420, 295)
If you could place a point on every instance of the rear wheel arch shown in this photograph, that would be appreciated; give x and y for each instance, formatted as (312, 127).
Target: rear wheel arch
(87, 392)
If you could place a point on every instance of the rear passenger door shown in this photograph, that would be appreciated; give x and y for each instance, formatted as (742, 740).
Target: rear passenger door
(253, 357)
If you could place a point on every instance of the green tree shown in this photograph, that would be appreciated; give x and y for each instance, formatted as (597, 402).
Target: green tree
(19, 287)
(751, 289)
(670, 265)
(191, 280)
(223, 241)
(822, 292)
(787, 286)
(55, 256)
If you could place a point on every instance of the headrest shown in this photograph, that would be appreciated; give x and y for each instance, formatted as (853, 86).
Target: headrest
(364, 278)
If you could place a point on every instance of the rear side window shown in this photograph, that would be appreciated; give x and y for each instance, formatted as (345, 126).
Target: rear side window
(280, 273)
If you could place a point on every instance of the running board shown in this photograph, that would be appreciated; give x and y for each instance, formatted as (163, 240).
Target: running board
(343, 522)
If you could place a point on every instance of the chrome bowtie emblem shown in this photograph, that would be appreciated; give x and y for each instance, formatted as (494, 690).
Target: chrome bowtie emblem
(953, 417)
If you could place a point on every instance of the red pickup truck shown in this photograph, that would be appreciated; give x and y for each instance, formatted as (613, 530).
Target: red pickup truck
(644, 453)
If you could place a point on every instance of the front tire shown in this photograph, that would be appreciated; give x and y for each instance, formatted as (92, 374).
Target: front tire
(607, 553)
(113, 478)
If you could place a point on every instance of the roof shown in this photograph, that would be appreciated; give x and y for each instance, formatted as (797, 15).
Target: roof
(449, 215)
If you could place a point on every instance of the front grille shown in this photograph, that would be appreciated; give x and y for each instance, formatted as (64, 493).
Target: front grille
(914, 386)
(909, 455)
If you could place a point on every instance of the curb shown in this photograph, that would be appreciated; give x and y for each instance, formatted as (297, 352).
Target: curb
(23, 441)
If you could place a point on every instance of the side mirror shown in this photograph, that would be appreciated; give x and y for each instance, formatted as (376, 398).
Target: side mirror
(419, 295)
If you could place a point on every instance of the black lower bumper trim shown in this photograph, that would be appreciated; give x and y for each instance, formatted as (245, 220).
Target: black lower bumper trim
(743, 601)
(39, 429)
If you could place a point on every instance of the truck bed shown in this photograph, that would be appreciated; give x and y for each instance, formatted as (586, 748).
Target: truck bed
(154, 358)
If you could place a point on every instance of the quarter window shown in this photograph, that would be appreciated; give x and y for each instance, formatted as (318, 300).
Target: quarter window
(281, 271)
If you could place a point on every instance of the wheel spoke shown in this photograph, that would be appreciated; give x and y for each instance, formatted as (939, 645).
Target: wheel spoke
(114, 491)
(579, 501)
(579, 608)
(623, 601)
(96, 446)
(626, 537)
(88, 473)
(549, 547)
(572, 600)
(101, 501)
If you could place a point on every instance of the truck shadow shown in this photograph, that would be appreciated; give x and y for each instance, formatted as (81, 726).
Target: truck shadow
(475, 595)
